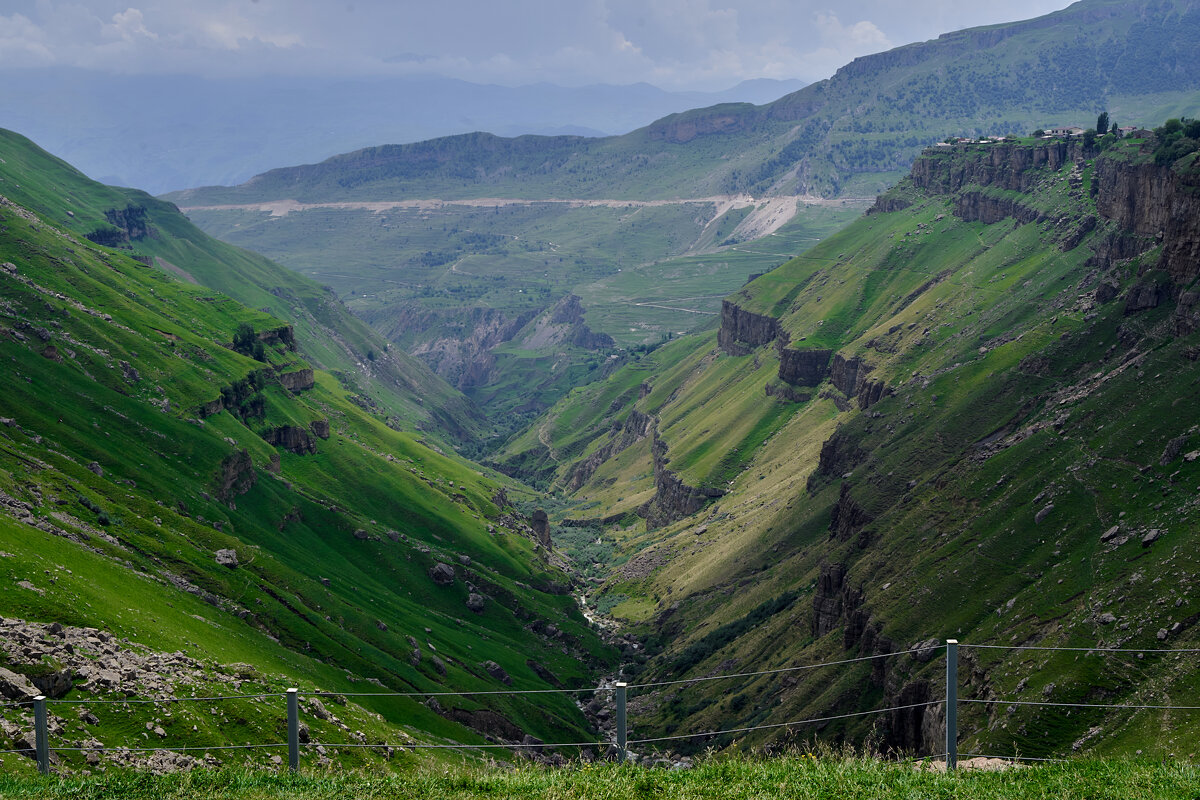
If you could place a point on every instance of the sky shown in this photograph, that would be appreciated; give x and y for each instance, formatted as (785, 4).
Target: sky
(674, 44)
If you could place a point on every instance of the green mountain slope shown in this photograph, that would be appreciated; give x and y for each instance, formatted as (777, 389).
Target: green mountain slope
(871, 117)
(175, 472)
(330, 337)
(450, 246)
(966, 415)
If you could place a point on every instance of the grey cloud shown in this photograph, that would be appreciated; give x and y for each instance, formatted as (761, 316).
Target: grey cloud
(672, 43)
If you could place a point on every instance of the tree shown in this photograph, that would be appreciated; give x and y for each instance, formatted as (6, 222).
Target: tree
(1114, 128)
(1039, 133)
(1102, 123)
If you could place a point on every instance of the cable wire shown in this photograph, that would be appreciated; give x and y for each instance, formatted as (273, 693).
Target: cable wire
(1011, 758)
(1075, 649)
(781, 724)
(457, 694)
(170, 700)
(420, 746)
(181, 748)
(1077, 705)
(775, 671)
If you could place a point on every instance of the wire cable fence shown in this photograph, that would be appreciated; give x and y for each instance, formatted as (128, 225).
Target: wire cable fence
(619, 743)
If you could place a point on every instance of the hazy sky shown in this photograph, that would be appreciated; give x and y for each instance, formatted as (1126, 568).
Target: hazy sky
(674, 44)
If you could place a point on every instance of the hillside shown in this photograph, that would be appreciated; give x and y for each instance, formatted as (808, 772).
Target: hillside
(965, 415)
(330, 337)
(450, 246)
(870, 118)
(188, 499)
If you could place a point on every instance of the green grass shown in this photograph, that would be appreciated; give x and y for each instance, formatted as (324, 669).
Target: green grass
(983, 334)
(103, 440)
(712, 779)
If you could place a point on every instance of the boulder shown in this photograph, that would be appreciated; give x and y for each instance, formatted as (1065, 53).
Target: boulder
(927, 650)
(1151, 537)
(496, 671)
(226, 558)
(16, 687)
(441, 574)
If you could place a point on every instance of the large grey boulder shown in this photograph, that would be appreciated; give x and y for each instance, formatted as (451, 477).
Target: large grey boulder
(442, 574)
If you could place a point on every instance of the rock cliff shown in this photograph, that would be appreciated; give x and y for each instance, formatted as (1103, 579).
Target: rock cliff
(741, 330)
(803, 367)
(673, 499)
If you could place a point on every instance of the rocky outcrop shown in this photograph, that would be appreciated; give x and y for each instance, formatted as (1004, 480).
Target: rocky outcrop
(911, 728)
(319, 428)
(464, 358)
(803, 367)
(235, 476)
(849, 374)
(847, 517)
(1157, 202)
(839, 455)
(974, 206)
(1149, 292)
(742, 330)
(292, 438)
(944, 170)
(298, 381)
(673, 499)
(540, 522)
(283, 335)
(441, 574)
(827, 598)
(683, 127)
(786, 392)
(635, 427)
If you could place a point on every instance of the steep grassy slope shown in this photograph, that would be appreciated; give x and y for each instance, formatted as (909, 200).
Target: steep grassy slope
(966, 415)
(148, 424)
(641, 226)
(155, 231)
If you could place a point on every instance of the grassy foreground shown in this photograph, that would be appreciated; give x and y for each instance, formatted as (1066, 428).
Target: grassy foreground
(792, 776)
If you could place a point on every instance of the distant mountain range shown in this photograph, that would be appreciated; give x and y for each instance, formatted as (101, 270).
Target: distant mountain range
(165, 132)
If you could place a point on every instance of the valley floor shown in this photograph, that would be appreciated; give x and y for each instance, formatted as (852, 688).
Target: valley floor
(718, 778)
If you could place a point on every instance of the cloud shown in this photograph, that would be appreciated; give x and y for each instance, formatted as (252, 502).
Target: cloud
(673, 43)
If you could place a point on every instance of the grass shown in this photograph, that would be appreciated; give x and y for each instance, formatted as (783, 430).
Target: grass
(983, 333)
(727, 778)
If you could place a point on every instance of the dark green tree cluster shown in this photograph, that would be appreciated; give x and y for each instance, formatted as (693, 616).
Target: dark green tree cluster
(1176, 139)
(246, 342)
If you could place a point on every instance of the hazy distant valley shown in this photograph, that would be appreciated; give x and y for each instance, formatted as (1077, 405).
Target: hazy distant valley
(748, 388)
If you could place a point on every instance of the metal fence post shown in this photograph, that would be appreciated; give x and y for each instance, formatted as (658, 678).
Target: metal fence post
(293, 707)
(41, 734)
(951, 704)
(621, 737)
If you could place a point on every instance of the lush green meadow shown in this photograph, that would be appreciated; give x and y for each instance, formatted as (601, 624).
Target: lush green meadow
(827, 778)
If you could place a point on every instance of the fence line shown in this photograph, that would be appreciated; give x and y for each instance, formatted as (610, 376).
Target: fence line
(776, 671)
(43, 750)
(781, 724)
(1077, 649)
(1078, 705)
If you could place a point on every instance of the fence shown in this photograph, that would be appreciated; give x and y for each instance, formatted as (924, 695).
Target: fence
(621, 742)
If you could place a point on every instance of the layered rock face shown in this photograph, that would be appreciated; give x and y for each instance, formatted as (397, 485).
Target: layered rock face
(637, 426)
(1154, 201)
(803, 367)
(673, 499)
(741, 330)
